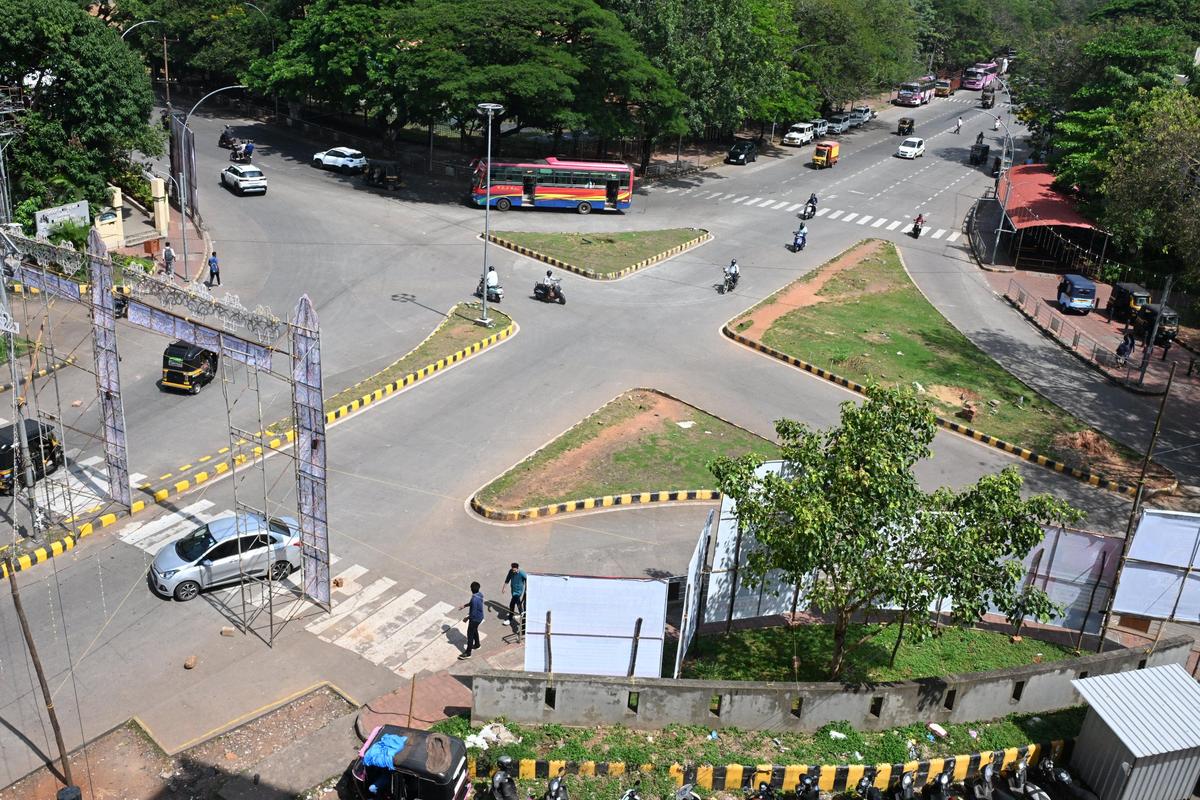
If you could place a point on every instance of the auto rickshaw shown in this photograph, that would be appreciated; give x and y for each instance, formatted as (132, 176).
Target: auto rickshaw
(427, 766)
(826, 154)
(905, 126)
(384, 174)
(979, 153)
(44, 448)
(1168, 323)
(1125, 301)
(188, 367)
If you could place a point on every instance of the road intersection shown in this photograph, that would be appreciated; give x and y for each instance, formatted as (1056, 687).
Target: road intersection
(382, 270)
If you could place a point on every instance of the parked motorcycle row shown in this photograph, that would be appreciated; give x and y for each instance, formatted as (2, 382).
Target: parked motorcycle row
(1046, 781)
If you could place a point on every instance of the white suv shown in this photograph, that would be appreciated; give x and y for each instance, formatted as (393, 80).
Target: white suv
(861, 114)
(340, 158)
(244, 178)
(820, 126)
(839, 123)
(800, 133)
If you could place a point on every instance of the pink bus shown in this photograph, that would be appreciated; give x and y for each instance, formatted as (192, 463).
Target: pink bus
(980, 75)
(916, 93)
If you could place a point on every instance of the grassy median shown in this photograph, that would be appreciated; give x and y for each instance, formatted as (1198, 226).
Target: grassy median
(602, 253)
(642, 441)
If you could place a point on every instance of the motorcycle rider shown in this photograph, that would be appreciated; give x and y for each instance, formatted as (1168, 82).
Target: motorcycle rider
(996, 123)
(918, 224)
(732, 272)
(551, 284)
(979, 138)
(493, 278)
(810, 207)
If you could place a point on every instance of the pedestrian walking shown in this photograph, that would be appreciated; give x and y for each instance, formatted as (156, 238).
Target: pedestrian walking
(515, 583)
(473, 618)
(168, 260)
(958, 126)
(1166, 347)
(214, 270)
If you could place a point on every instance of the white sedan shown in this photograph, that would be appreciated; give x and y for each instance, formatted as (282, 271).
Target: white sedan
(340, 158)
(911, 148)
(244, 178)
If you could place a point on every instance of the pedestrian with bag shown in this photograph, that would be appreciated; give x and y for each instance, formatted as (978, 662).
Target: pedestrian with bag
(214, 271)
(514, 581)
(473, 618)
(169, 260)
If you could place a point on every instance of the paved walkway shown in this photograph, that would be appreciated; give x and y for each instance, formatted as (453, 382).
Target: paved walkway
(198, 245)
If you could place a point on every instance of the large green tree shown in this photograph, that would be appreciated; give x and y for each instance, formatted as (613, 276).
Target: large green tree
(847, 520)
(87, 100)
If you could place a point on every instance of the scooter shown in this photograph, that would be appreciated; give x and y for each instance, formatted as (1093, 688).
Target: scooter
(227, 139)
(810, 211)
(798, 242)
(903, 788)
(764, 792)
(556, 789)
(495, 293)
(242, 153)
(549, 292)
(503, 786)
(687, 792)
(1059, 783)
(1019, 785)
(939, 788)
(916, 229)
(633, 792)
(866, 790)
(807, 789)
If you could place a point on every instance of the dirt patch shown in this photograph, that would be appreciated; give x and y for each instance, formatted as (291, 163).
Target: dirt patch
(649, 410)
(1099, 454)
(806, 291)
(952, 395)
(125, 763)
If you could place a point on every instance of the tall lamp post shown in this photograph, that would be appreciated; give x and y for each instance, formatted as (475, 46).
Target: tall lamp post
(182, 186)
(489, 110)
(166, 73)
(271, 30)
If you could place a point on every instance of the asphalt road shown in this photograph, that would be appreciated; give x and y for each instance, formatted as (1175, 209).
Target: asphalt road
(400, 473)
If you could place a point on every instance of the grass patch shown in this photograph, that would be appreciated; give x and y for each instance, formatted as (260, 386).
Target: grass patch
(690, 744)
(765, 654)
(22, 346)
(872, 324)
(604, 253)
(635, 443)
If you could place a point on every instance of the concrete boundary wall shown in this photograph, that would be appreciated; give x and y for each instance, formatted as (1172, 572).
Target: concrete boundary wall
(652, 703)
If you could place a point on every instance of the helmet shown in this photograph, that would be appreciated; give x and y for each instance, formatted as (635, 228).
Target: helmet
(733, 262)
(505, 763)
(548, 273)
(491, 269)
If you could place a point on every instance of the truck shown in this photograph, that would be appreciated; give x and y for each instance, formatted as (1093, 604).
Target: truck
(945, 87)
(988, 96)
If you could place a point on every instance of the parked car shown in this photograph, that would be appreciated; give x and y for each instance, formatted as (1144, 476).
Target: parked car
(243, 178)
(339, 158)
(861, 114)
(743, 151)
(45, 451)
(912, 147)
(839, 123)
(800, 133)
(820, 126)
(224, 551)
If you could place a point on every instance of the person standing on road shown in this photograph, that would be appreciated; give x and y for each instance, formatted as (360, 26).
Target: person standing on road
(214, 270)
(515, 582)
(958, 125)
(473, 618)
(169, 260)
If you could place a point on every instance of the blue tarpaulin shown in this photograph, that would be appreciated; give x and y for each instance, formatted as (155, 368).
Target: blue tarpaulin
(382, 753)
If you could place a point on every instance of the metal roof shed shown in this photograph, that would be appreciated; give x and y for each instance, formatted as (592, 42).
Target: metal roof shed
(1141, 736)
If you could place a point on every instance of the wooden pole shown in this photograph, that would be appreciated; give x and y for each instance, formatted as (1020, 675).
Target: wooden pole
(37, 667)
(1092, 599)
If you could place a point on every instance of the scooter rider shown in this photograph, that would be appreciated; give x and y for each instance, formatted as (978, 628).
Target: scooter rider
(918, 224)
(810, 208)
(800, 237)
(493, 278)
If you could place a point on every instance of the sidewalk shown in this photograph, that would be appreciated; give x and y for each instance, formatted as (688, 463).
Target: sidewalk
(198, 245)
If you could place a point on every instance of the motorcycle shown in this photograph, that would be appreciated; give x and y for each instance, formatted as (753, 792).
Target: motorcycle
(764, 792)
(242, 153)
(939, 788)
(227, 139)
(1019, 785)
(730, 283)
(916, 229)
(495, 293)
(503, 786)
(866, 790)
(810, 211)
(556, 789)
(807, 789)
(633, 792)
(1059, 783)
(903, 788)
(687, 792)
(549, 292)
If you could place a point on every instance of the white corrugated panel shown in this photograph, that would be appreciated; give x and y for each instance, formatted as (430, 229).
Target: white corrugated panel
(1152, 711)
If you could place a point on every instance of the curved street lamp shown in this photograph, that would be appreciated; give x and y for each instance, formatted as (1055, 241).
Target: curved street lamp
(126, 32)
(489, 110)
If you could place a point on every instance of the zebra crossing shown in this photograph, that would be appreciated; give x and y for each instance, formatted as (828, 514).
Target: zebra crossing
(78, 487)
(392, 626)
(833, 214)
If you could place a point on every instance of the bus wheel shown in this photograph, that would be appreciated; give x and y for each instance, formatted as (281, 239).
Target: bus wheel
(584, 208)
(503, 204)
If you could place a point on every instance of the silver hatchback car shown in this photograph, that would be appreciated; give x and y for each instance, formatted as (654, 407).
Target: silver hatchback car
(223, 551)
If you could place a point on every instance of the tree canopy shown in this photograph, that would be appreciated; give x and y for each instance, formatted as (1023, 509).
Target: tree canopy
(87, 99)
(847, 520)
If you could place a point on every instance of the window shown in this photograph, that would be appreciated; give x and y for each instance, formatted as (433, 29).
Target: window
(194, 545)
(279, 526)
(224, 550)
(254, 542)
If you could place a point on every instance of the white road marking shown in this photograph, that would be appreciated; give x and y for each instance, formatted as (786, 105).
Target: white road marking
(952, 237)
(836, 214)
(779, 205)
(864, 220)
(894, 225)
(939, 233)
(147, 535)
(753, 202)
(671, 190)
(718, 194)
(849, 217)
(822, 212)
(726, 197)
(405, 642)
(878, 222)
(345, 609)
(740, 199)
(794, 206)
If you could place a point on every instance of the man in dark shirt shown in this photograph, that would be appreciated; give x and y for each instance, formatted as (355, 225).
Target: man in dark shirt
(473, 618)
(515, 581)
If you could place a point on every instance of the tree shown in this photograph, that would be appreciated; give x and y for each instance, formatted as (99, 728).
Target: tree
(847, 519)
(87, 96)
(1151, 187)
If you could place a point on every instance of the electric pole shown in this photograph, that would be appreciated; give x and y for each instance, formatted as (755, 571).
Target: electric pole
(166, 73)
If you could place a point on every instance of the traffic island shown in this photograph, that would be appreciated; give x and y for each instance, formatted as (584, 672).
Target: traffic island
(615, 457)
(602, 256)
(859, 319)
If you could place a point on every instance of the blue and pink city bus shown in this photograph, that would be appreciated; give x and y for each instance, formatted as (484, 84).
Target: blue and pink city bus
(980, 75)
(553, 183)
(916, 93)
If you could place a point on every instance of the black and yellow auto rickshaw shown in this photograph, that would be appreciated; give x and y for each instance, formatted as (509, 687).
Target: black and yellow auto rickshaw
(1168, 323)
(905, 126)
(1125, 301)
(398, 763)
(383, 174)
(45, 452)
(188, 367)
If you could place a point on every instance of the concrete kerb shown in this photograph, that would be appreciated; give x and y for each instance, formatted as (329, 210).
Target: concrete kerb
(703, 238)
(158, 496)
(1086, 476)
(41, 373)
(605, 502)
(786, 777)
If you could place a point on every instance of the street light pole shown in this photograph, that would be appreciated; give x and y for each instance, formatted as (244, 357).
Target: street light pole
(489, 110)
(271, 30)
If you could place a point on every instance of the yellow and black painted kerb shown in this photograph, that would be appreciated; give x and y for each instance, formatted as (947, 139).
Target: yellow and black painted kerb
(159, 495)
(607, 501)
(785, 778)
(41, 373)
(18, 288)
(601, 276)
(1028, 455)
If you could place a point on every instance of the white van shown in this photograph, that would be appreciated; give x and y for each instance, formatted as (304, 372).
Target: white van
(800, 133)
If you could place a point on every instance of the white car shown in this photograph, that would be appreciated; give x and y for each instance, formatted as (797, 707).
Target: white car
(820, 126)
(911, 147)
(800, 133)
(243, 178)
(839, 123)
(340, 158)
